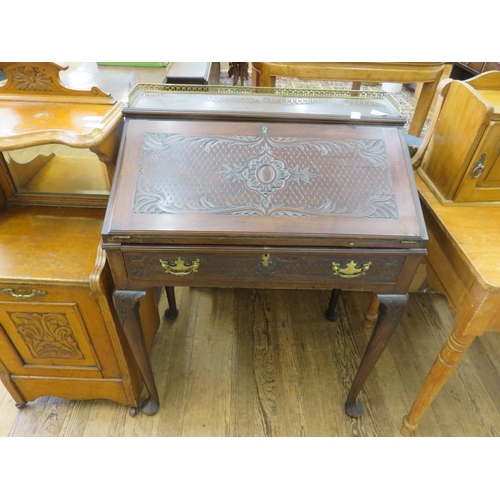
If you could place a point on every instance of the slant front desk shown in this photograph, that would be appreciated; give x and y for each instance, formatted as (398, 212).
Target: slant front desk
(263, 188)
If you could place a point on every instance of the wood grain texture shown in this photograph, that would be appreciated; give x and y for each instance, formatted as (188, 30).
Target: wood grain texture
(245, 362)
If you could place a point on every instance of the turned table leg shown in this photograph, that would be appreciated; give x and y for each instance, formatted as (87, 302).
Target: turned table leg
(449, 357)
(391, 310)
(372, 312)
(473, 319)
(423, 107)
(127, 307)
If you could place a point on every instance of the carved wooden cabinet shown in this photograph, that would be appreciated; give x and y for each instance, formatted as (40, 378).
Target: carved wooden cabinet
(462, 160)
(59, 334)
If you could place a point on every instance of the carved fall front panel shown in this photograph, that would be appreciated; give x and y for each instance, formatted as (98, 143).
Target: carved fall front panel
(264, 175)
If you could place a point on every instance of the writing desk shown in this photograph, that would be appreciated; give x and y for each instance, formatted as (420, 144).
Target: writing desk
(240, 187)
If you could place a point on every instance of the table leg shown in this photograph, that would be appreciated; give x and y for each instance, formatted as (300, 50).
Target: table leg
(332, 313)
(266, 79)
(172, 312)
(127, 307)
(391, 310)
(372, 312)
(422, 108)
(449, 357)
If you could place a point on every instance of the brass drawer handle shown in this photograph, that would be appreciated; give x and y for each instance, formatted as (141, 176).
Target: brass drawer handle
(180, 268)
(350, 271)
(34, 293)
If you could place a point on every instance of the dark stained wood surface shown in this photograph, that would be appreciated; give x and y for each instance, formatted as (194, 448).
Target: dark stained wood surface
(200, 181)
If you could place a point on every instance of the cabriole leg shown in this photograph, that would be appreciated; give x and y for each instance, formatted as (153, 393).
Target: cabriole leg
(391, 310)
(127, 307)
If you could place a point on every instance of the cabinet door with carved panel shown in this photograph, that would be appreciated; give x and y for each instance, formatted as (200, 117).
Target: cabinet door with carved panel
(43, 338)
(53, 341)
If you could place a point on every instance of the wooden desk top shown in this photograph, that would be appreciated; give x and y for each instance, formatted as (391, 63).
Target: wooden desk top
(474, 231)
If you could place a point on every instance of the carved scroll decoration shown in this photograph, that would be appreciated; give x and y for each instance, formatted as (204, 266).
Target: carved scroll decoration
(47, 335)
(264, 175)
(41, 79)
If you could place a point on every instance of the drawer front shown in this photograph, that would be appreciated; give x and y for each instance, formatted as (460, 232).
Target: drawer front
(241, 267)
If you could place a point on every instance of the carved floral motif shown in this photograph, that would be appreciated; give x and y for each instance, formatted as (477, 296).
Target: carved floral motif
(32, 78)
(47, 335)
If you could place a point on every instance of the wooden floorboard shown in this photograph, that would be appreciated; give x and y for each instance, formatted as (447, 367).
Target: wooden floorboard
(245, 362)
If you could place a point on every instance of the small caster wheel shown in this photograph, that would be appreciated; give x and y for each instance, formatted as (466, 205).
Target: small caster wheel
(20, 406)
(133, 411)
(171, 314)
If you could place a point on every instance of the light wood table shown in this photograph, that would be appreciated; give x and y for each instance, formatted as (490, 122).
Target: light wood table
(462, 263)
(429, 73)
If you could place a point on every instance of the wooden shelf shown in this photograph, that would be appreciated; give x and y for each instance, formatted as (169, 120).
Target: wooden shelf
(48, 243)
(66, 175)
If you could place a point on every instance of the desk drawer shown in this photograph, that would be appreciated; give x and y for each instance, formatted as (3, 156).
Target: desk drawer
(247, 267)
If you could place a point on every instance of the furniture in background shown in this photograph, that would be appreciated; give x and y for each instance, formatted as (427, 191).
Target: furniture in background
(462, 163)
(239, 71)
(115, 80)
(264, 74)
(462, 263)
(271, 193)
(59, 335)
(467, 70)
(458, 180)
(193, 73)
(459, 158)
